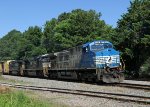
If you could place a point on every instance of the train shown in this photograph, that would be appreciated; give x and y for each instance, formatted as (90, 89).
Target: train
(93, 61)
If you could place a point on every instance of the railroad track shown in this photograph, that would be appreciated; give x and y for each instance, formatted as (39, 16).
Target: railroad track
(125, 85)
(134, 86)
(107, 95)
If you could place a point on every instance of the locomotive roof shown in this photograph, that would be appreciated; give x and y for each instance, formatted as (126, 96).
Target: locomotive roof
(96, 41)
(84, 45)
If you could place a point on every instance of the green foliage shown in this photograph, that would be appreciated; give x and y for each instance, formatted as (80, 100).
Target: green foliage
(17, 45)
(68, 30)
(145, 69)
(33, 35)
(24, 49)
(48, 37)
(133, 34)
(19, 99)
(9, 45)
(30, 44)
(74, 28)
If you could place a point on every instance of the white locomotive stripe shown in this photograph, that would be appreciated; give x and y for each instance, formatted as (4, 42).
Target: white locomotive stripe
(107, 59)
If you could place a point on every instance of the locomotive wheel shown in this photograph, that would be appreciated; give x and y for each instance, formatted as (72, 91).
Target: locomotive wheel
(112, 79)
(39, 74)
(10, 73)
(94, 80)
(79, 77)
(25, 73)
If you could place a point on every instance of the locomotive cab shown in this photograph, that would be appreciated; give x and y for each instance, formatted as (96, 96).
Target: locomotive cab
(107, 62)
(15, 67)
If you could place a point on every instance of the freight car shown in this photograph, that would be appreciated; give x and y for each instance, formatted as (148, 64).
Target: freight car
(93, 61)
(11, 67)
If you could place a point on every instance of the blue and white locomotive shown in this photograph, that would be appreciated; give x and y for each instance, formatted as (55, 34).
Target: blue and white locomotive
(93, 61)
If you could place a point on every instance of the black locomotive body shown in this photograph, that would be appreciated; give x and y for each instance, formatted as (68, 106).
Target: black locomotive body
(93, 61)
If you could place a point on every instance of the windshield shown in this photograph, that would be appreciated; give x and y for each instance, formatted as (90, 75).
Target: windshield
(107, 45)
(99, 47)
(14, 65)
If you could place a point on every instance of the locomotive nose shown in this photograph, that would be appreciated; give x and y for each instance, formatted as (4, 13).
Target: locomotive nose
(108, 61)
(107, 58)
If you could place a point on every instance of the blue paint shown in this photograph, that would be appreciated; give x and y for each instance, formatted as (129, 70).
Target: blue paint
(99, 54)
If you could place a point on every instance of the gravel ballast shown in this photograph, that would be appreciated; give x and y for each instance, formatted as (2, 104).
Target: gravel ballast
(76, 100)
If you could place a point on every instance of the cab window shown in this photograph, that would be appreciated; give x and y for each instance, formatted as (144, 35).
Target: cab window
(97, 47)
(107, 45)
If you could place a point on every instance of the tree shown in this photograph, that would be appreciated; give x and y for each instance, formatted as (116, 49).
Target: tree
(34, 35)
(74, 28)
(30, 45)
(9, 45)
(133, 34)
(68, 30)
(48, 38)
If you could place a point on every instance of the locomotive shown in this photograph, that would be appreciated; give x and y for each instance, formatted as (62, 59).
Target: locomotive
(93, 61)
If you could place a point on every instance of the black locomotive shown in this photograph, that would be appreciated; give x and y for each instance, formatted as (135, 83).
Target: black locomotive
(93, 61)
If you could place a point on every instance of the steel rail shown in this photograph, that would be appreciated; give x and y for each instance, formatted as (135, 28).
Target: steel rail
(114, 96)
(134, 86)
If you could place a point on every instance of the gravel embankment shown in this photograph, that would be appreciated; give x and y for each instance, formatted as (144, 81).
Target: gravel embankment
(137, 82)
(76, 100)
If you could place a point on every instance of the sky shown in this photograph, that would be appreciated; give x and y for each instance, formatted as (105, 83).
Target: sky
(21, 14)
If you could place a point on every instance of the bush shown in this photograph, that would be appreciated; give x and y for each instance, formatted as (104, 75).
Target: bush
(145, 69)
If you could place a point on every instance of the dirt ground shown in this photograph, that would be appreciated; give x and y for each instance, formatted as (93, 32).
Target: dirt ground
(4, 89)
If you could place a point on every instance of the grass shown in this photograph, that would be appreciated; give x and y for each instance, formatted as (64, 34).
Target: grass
(9, 98)
(14, 98)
